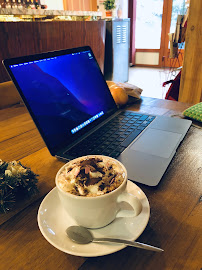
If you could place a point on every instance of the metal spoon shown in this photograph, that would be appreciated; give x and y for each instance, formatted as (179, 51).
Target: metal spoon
(81, 235)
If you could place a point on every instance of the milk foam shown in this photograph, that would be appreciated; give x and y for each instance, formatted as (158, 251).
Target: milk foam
(90, 177)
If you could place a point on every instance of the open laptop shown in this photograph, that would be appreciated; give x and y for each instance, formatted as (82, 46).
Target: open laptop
(68, 98)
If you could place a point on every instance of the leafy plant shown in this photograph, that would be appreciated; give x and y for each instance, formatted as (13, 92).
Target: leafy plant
(109, 4)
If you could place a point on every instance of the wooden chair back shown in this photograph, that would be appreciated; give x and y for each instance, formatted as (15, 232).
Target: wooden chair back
(8, 95)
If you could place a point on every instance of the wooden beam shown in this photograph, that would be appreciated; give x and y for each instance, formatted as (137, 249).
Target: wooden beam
(132, 15)
(165, 29)
(191, 80)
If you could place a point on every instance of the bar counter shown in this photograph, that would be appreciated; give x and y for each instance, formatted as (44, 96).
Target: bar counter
(26, 38)
(45, 12)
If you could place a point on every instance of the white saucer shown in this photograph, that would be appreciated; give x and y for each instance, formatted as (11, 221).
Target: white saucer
(53, 221)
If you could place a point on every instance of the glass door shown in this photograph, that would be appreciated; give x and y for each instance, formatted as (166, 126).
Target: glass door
(148, 24)
(173, 16)
(154, 20)
(148, 32)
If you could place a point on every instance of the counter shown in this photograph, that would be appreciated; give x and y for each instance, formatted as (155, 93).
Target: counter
(25, 38)
(24, 14)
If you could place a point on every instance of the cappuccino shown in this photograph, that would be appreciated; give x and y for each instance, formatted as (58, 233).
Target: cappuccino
(91, 176)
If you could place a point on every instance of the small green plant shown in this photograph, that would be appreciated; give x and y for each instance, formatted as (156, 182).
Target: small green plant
(109, 4)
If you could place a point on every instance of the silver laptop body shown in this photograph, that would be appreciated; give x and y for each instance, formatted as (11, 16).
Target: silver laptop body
(149, 155)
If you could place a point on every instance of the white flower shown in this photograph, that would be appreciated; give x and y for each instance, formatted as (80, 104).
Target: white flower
(13, 163)
(8, 173)
(22, 170)
(16, 168)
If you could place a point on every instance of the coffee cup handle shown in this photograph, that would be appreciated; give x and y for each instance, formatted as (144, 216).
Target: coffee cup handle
(133, 201)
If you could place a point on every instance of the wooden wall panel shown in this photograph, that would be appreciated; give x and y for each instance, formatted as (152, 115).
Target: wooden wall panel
(84, 5)
(191, 79)
(25, 38)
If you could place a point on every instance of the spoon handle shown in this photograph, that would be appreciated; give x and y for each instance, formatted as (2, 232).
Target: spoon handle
(128, 243)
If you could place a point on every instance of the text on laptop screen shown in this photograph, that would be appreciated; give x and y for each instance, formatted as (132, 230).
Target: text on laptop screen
(65, 93)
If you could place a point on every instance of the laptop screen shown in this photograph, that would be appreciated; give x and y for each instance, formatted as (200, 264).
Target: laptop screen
(66, 94)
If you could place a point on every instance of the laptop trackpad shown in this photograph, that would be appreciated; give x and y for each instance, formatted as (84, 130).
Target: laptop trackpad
(157, 142)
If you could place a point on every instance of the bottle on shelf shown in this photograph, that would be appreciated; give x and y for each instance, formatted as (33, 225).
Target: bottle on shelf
(32, 5)
(119, 12)
(27, 3)
(13, 4)
(20, 4)
(37, 4)
(7, 4)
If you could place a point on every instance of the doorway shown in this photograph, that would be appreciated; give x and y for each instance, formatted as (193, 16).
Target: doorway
(153, 21)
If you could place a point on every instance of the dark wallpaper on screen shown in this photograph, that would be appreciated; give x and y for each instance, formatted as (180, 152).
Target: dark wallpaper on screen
(63, 93)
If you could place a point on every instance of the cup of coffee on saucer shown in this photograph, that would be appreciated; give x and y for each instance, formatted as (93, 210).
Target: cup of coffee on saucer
(91, 189)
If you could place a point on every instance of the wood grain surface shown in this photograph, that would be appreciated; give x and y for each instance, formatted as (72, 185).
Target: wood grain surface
(87, 5)
(26, 38)
(175, 221)
(191, 79)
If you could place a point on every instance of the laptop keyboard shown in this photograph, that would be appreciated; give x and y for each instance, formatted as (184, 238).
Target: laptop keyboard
(112, 138)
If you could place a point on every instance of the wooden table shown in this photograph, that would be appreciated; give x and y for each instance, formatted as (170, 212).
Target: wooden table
(176, 211)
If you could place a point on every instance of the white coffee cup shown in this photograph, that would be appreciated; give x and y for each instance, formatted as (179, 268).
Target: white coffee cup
(99, 211)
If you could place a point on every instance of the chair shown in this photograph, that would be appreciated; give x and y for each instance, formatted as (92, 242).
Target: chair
(8, 95)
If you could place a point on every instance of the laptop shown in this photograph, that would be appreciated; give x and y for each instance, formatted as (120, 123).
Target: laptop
(69, 100)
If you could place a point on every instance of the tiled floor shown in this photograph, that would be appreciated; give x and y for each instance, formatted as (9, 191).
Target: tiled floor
(150, 80)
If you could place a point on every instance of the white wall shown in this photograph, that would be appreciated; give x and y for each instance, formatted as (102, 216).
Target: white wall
(147, 58)
(124, 6)
(53, 4)
(122, 3)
